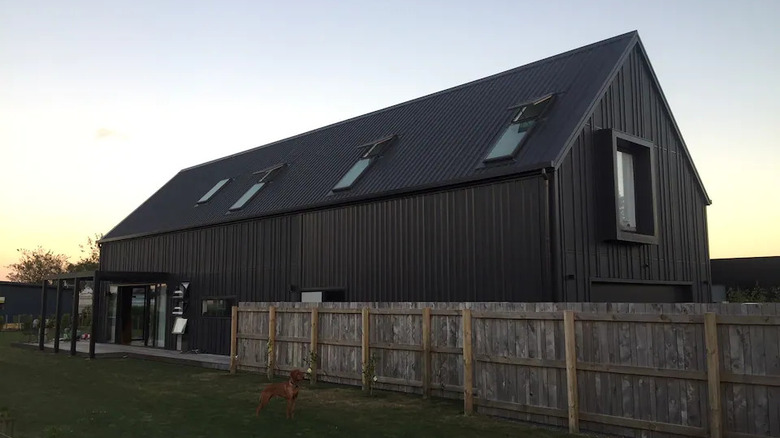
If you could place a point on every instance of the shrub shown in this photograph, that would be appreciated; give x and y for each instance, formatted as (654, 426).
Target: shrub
(26, 321)
(85, 318)
(755, 294)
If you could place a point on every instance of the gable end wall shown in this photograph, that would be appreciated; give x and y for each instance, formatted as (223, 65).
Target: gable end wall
(632, 104)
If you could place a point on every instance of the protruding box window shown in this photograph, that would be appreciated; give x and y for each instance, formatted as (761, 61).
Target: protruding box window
(627, 184)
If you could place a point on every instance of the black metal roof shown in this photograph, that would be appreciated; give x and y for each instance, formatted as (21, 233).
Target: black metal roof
(442, 139)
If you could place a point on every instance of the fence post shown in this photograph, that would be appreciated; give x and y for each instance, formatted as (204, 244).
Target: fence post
(271, 341)
(570, 341)
(426, 340)
(233, 339)
(713, 373)
(468, 364)
(365, 346)
(313, 356)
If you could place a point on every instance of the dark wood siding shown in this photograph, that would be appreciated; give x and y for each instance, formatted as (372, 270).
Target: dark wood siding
(632, 104)
(480, 243)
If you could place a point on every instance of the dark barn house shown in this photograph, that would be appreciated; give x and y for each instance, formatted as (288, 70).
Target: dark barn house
(566, 179)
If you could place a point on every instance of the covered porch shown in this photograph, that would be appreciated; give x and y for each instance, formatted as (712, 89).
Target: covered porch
(98, 279)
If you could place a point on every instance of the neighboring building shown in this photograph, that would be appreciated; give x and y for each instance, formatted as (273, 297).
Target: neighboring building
(566, 179)
(744, 273)
(18, 299)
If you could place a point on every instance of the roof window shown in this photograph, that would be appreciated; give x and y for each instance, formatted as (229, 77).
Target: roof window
(265, 176)
(371, 152)
(210, 194)
(524, 119)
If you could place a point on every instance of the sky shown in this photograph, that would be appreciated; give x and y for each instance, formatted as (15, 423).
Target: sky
(101, 103)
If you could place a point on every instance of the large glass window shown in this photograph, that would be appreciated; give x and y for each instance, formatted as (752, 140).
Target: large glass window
(162, 309)
(111, 305)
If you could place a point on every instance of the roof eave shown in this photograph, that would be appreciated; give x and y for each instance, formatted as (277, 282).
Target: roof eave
(635, 41)
(485, 177)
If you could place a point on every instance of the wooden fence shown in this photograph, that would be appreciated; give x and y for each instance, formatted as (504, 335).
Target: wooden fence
(650, 370)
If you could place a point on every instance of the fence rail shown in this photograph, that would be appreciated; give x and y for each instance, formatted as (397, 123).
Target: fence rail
(627, 369)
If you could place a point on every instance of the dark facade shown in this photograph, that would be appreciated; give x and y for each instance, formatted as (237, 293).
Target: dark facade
(746, 272)
(541, 226)
(633, 104)
(25, 299)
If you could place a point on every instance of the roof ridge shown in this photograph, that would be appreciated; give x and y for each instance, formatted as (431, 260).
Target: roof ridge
(428, 96)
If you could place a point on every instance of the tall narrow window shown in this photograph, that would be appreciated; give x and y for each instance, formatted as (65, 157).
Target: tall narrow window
(213, 190)
(370, 153)
(512, 138)
(265, 176)
(626, 192)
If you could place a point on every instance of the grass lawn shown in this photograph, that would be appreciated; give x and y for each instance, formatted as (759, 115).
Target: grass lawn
(61, 396)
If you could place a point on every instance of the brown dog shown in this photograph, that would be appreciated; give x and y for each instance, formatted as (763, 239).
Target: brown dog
(288, 390)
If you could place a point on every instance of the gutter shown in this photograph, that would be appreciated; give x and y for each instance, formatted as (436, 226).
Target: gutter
(554, 233)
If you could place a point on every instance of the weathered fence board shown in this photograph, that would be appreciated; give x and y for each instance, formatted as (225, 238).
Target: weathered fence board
(637, 369)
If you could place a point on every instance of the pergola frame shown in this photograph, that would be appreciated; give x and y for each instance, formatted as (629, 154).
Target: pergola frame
(96, 277)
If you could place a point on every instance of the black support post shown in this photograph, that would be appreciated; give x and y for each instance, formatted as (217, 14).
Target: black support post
(74, 318)
(58, 317)
(95, 306)
(42, 323)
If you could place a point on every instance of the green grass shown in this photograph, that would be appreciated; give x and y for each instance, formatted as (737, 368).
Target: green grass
(61, 396)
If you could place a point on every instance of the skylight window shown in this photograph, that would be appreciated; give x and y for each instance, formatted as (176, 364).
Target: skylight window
(370, 153)
(265, 176)
(247, 196)
(513, 136)
(213, 191)
(350, 177)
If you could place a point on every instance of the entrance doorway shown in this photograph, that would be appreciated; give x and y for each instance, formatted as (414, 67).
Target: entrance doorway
(141, 314)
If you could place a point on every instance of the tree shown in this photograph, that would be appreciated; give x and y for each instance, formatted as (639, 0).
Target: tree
(90, 256)
(34, 265)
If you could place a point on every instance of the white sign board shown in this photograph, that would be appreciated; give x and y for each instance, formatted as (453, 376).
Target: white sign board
(311, 297)
(179, 325)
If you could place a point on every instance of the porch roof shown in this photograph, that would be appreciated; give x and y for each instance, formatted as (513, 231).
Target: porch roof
(122, 276)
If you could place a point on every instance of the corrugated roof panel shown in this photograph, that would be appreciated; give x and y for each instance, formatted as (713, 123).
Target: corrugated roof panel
(441, 137)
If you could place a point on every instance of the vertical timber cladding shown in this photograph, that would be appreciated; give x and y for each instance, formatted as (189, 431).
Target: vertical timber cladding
(248, 260)
(479, 243)
(632, 104)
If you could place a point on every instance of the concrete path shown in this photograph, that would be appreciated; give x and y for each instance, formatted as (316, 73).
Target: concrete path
(213, 361)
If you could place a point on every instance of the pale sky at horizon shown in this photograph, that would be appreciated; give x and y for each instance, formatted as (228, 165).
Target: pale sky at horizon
(100, 105)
